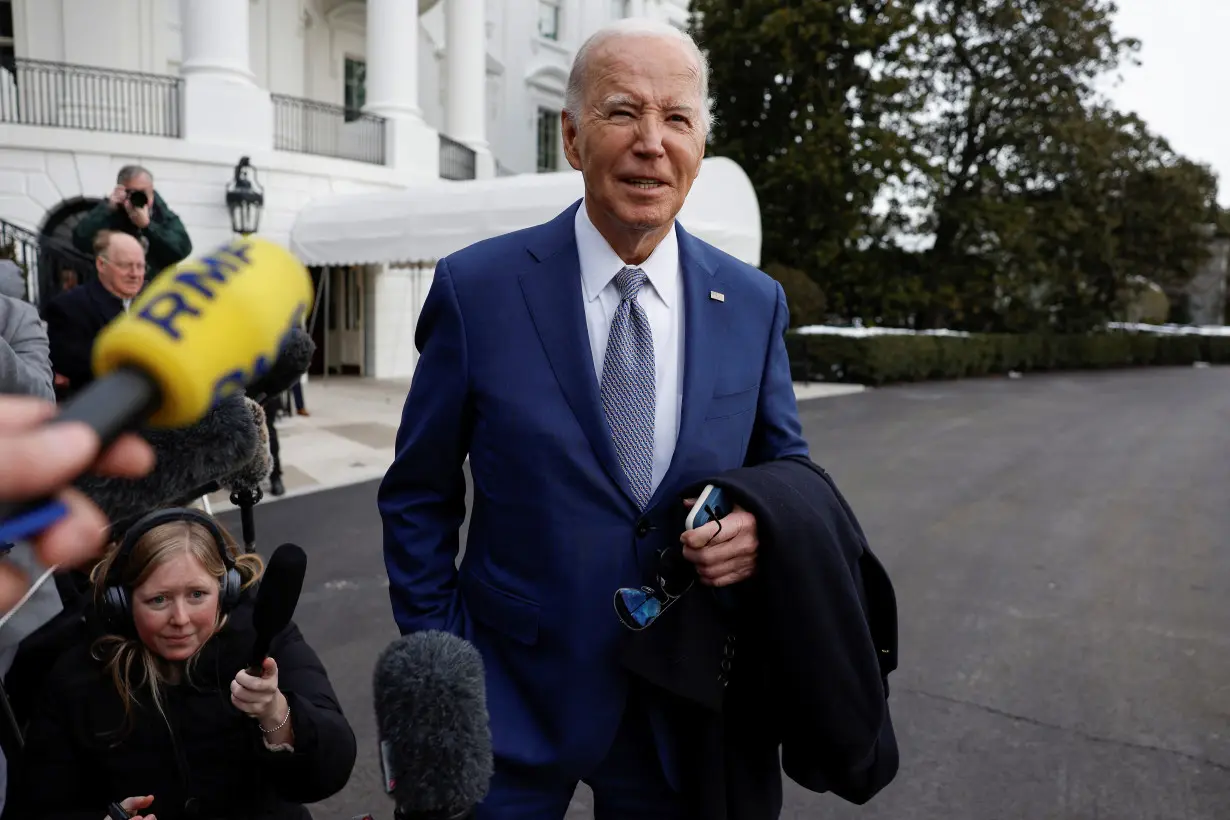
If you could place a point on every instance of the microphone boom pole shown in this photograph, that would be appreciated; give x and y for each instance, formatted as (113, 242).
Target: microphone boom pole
(245, 498)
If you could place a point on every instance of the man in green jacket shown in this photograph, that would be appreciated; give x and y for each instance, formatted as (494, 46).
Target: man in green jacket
(135, 208)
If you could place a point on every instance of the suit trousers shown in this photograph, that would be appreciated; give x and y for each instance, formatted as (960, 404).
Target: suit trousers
(629, 784)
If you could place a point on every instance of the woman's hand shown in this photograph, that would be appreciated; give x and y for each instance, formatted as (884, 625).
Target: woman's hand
(132, 805)
(260, 697)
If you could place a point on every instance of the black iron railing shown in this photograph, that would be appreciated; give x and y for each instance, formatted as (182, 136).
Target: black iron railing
(42, 260)
(64, 95)
(21, 246)
(456, 160)
(311, 127)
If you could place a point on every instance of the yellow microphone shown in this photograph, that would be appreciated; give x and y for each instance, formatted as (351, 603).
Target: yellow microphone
(198, 333)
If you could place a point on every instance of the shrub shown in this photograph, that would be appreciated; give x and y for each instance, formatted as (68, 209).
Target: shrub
(905, 358)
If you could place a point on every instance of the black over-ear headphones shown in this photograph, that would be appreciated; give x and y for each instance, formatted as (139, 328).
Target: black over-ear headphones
(116, 607)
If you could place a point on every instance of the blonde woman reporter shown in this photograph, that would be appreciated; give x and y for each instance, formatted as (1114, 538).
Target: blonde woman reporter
(157, 714)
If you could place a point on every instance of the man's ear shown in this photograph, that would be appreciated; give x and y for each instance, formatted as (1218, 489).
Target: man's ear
(569, 130)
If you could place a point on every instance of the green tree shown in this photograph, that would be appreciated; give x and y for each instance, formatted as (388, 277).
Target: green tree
(813, 100)
(1008, 85)
(1106, 206)
(1169, 214)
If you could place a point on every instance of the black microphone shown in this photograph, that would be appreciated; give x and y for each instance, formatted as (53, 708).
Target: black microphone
(276, 599)
(430, 696)
(294, 358)
(225, 441)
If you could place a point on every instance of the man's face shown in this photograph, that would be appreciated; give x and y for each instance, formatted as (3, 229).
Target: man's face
(122, 267)
(640, 140)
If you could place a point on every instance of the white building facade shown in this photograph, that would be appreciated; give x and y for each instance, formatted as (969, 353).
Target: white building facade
(323, 96)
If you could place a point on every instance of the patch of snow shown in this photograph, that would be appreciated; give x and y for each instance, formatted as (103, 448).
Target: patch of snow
(860, 332)
(1173, 330)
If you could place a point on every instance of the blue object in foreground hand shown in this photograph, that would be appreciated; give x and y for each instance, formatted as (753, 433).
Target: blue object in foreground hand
(32, 522)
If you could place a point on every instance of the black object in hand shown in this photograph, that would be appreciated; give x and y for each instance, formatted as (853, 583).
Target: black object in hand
(276, 600)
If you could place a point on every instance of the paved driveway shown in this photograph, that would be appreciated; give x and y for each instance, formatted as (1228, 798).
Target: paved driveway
(1058, 545)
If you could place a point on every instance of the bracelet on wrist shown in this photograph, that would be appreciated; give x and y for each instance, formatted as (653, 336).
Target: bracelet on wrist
(279, 726)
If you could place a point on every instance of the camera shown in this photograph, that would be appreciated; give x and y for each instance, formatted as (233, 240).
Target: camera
(139, 199)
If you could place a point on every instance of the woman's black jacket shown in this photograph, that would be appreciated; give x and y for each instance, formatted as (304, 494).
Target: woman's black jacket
(210, 761)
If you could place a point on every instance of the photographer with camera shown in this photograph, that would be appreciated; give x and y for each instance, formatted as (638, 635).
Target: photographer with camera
(135, 208)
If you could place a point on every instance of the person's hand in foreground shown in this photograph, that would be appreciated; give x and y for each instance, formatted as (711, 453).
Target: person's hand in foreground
(43, 460)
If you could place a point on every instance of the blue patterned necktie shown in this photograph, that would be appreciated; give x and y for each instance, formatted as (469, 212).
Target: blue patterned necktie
(627, 389)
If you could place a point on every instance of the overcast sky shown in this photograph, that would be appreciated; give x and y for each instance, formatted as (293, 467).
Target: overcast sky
(1180, 87)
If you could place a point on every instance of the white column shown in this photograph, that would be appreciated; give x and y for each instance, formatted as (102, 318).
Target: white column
(393, 58)
(465, 57)
(393, 86)
(221, 101)
(216, 36)
(465, 28)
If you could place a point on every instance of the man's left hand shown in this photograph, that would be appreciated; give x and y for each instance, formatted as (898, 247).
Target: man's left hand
(723, 555)
(139, 216)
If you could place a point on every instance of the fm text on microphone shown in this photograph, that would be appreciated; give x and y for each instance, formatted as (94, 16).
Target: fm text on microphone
(194, 337)
(227, 449)
(430, 697)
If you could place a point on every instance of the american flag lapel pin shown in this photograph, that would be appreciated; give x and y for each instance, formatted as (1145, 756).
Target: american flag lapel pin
(717, 297)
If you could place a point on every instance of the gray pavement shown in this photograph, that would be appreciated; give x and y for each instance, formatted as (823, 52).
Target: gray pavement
(1058, 546)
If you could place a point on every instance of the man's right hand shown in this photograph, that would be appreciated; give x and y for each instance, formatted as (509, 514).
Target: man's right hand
(118, 197)
(132, 805)
(38, 459)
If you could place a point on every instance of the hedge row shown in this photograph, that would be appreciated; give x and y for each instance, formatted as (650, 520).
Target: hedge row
(904, 358)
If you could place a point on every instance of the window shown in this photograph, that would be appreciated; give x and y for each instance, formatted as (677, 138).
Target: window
(621, 9)
(548, 19)
(355, 88)
(7, 52)
(548, 140)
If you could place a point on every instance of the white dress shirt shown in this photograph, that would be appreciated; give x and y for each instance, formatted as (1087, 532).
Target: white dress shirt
(662, 300)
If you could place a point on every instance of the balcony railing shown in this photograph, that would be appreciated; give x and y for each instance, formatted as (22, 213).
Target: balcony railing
(456, 160)
(42, 258)
(311, 127)
(64, 95)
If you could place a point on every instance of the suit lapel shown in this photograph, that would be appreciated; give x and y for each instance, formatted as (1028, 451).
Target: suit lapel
(552, 290)
(703, 325)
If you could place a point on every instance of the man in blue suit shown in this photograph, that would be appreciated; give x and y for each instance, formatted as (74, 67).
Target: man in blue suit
(591, 368)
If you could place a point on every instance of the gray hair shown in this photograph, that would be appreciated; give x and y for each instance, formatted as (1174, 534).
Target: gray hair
(634, 27)
(130, 172)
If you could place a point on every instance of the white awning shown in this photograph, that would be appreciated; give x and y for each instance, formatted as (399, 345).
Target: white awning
(420, 225)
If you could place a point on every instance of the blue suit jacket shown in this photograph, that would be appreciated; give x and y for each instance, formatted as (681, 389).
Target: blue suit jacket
(505, 376)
